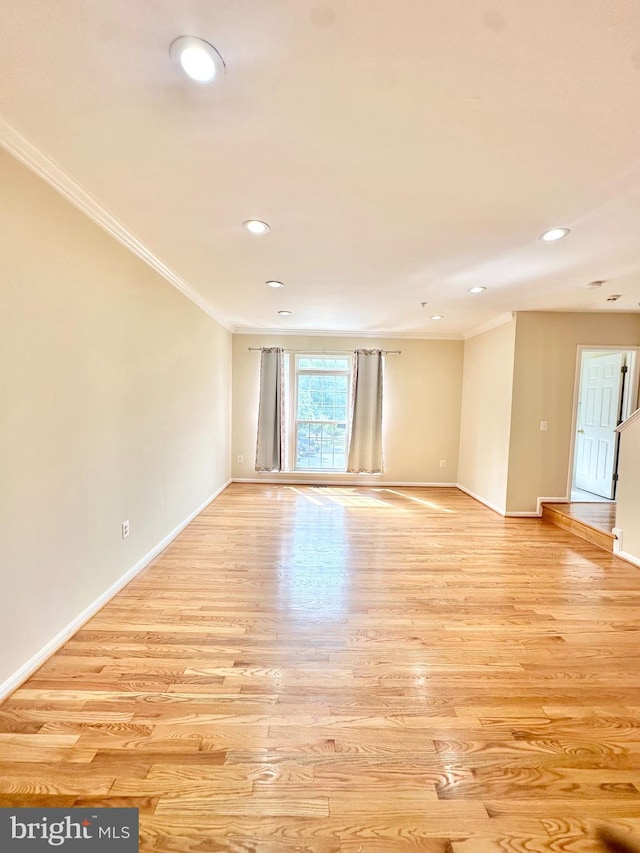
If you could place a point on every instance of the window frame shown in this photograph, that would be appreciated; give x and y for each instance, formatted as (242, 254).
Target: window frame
(293, 405)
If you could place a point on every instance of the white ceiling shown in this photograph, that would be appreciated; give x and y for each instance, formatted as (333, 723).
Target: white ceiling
(401, 150)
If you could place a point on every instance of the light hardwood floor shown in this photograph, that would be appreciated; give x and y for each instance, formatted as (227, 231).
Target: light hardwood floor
(601, 515)
(591, 521)
(336, 670)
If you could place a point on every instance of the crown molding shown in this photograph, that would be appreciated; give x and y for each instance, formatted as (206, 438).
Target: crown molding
(47, 169)
(328, 333)
(490, 324)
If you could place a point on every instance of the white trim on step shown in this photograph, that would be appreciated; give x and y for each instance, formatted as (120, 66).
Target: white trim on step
(617, 539)
(27, 669)
(550, 501)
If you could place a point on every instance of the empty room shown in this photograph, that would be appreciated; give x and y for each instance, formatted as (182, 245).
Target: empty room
(319, 437)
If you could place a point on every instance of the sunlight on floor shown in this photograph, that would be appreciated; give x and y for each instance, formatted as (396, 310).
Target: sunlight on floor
(359, 501)
(328, 497)
(306, 496)
(418, 500)
(348, 496)
(314, 574)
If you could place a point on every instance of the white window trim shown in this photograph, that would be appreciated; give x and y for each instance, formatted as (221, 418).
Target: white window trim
(293, 407)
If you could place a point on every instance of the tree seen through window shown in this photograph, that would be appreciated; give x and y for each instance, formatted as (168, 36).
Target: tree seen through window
(322, 404)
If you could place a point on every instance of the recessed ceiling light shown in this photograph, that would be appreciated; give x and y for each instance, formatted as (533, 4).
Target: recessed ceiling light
(554, 234)
(256, 226)
(437, 317)
(285, 313)
(478, 289)
(595, 285)
(274, 283)
(197, 58)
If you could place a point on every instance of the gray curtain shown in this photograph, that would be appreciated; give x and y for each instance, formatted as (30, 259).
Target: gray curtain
(270, 441)
(365, 443)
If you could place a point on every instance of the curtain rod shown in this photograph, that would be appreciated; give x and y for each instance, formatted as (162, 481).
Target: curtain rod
(331, 351)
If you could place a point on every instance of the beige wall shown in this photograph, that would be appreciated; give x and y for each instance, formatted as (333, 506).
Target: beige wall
(421, 404)
(628, 494)
(543, 389)
(115, 405)
(486, 414)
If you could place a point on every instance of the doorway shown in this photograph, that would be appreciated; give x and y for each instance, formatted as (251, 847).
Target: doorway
(606, 390)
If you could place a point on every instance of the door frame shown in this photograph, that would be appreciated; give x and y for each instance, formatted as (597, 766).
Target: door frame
(630, 401)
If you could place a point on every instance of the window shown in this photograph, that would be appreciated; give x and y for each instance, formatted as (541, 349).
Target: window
(321, 391)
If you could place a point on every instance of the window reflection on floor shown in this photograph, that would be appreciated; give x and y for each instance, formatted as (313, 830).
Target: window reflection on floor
(346, 496)
(314, 575)
(358, 501)
(314, 582)
(353, 497)
(418, 500)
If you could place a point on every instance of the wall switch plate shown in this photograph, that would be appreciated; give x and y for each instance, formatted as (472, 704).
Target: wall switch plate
(543, 426)
(240, 458)
(443, 462)
(125, 529)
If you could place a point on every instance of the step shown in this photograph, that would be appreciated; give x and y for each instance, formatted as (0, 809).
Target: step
(558, 514)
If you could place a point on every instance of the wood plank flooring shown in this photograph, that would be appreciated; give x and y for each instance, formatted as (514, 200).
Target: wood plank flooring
(335, 670)
(591, 521)
(600, 515)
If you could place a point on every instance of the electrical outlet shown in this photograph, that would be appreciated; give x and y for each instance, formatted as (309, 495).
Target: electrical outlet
(125, 529)
(443, 463)
(543, 426)
(240, 458)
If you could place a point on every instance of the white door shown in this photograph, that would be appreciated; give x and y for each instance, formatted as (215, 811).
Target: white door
(598, 409)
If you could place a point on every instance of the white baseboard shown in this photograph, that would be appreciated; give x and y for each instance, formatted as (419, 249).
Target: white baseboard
(538, 511)
(541, 501)
(628, 557)
(27, 669)
(529, 514)
(372, 480)
(480, 499)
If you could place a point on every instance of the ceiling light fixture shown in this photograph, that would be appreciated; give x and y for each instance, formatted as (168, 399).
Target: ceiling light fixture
(198, 59)
(274, 284)
(595, 285)
(285, 313)
(256, 226)
(554, 234)
(477, 289)
(437, 317)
